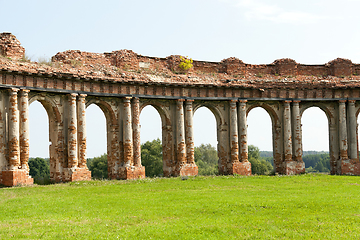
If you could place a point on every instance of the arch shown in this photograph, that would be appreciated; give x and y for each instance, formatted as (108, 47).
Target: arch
(269, 117)
(105, 107)
(207, 132)
(56, 151)
(317, 129)
(167, 135)
(114, 146)
(322, 106)
(268, 108)
(164, 114)
(213, 108)
(48, 103)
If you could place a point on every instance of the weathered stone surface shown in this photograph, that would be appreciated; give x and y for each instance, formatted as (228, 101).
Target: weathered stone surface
(122, 83)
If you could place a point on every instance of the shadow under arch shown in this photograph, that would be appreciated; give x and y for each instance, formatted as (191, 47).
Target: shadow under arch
(56, 153)
(331, 121)
(166, 135)
(114, 146)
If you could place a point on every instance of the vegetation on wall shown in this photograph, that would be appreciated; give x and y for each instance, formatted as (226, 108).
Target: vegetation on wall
(185, 63)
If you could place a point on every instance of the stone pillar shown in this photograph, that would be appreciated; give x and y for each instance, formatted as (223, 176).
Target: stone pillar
(352, 129)
(14, 153)
(234, 145)
(24, 129)
(136, 131)
(81, 130)
(342, 131)
(297, 150)
(189, 131)
(287, 132)
(243, 131)
(72, 133)
(127, 133)
(180, 133)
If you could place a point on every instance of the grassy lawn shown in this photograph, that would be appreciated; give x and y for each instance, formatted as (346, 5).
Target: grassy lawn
(225, 207)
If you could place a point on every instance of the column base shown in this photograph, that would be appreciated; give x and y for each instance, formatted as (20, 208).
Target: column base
(188, 169)
(293, 168)
(241, 168)
(132, 172)
(76, 174)
(11, 178)
(349, 167)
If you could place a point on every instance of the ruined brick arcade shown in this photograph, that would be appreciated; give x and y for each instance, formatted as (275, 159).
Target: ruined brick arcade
(122, 83)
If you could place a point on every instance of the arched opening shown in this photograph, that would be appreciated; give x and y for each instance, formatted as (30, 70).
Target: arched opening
(260, 144)
(39, 160)
(205, 141)
(151, 142)
(315, 140)
(96, 141)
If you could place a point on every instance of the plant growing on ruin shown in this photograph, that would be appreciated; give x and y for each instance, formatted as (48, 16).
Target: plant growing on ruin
(185, 63)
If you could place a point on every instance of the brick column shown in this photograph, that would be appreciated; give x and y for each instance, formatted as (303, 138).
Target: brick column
(342, 130)
(14, 153)
(180, 133)
(24, 129)
(297, 150)
(136, 131)
(72, 132)
(352, 129)
(81, 130)
(287, 131)
(127, 133)
(234, 145)
(189, 131)
(243, 131)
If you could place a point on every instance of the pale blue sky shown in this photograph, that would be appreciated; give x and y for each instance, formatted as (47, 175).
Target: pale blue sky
(257, 32)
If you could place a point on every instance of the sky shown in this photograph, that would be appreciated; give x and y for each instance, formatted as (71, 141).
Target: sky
(257, 32)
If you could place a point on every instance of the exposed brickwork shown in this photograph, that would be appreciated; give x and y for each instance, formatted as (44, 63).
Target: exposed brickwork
(122, 83)
(241, 168)
(15, 178)
(10, 46)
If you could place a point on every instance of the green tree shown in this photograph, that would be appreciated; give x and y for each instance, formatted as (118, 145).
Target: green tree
(39, 170)
(206, 159)
(258, 165)
(151, 158)
(98, 167)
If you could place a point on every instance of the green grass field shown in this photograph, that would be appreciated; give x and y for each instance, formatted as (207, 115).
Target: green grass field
(224, 207)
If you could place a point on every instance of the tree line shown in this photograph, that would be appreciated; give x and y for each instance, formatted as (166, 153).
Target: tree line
(206, 158)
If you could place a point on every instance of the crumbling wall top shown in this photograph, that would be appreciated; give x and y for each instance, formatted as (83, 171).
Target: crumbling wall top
(10, 46)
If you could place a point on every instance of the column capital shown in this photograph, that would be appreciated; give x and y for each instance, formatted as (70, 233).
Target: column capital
(242, 101)
(127, 99)
(82, 95)
(13, 90)
(296, 101)
(342, 101)
(73, 95)
(136, 99)
(189, 101)
(24, 92)
(287, 101)
(180, 100)
(352, 101)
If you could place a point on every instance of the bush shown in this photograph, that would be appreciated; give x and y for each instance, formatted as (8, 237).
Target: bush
(39, 170)
(98, 167)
